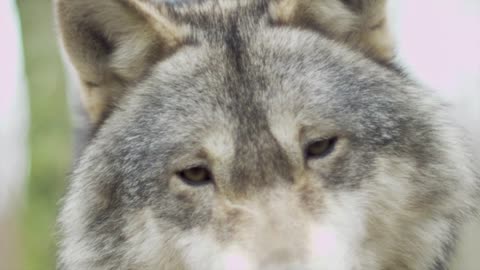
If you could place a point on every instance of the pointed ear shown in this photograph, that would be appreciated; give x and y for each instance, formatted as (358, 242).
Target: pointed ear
(361, 24)
(113, 43)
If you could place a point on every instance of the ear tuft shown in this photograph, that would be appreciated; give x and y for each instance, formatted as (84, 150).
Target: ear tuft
(113, 43)
(361, 24)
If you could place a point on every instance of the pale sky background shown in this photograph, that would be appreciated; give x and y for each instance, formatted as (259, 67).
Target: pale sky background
(439, 43)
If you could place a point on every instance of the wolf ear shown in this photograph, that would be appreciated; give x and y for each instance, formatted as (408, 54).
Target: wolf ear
(111, 44)
(361, 24)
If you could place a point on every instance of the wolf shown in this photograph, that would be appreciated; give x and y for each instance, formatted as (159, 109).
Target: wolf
(256, 134)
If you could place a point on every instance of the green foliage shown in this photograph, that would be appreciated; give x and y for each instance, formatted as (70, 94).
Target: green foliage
(50, 147)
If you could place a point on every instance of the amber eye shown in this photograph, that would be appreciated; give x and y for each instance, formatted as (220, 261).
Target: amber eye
(320, 148)
(196, 175)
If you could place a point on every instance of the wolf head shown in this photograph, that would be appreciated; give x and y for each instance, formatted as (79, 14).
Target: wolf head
(255, 135)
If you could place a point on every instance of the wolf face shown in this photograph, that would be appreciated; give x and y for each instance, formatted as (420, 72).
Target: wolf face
(255, 135)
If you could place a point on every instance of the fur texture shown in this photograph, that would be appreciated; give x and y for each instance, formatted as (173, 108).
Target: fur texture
(242, 88)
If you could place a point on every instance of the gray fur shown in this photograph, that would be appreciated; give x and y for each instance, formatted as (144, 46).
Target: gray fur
(237, 71)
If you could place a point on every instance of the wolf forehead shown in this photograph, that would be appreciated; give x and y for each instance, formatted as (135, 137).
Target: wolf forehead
(246, 76)
(240, 70)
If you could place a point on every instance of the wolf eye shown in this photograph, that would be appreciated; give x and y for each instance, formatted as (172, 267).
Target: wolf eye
(320, 148)
(196, 175)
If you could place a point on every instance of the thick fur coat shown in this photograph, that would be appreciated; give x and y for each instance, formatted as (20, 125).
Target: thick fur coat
(256, 135)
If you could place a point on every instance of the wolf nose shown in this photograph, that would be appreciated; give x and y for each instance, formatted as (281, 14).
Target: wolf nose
(278, 255)
(278, 258)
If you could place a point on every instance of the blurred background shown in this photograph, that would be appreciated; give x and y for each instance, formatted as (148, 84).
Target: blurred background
(439, 43)
(27, 241)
